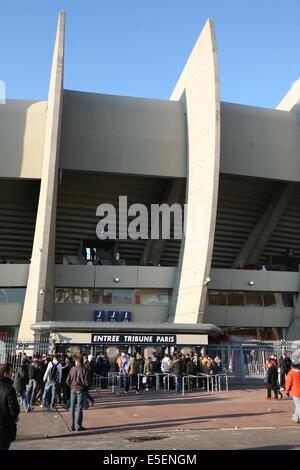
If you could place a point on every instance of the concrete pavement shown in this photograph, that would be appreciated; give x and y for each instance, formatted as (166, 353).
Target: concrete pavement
(179, 420)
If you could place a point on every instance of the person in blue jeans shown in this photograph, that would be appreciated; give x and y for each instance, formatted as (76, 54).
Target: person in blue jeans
(78, 381)
(177, 369)
(52, 377)
(20, 381)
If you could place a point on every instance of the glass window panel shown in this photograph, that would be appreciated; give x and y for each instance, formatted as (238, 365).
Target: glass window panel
(152, 297)
(12, 295)
(268, 298)
(164, 299)
(107, 296)
(236, 298)
(217, 298)
(81, 296)
(276, 299)
(67, 296)
(122, 296)
(254, 298)
(95, 296)
(3, 296)
(288, 299)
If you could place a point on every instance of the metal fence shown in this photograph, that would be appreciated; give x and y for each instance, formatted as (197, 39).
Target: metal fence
(12, 350)
(243, 364)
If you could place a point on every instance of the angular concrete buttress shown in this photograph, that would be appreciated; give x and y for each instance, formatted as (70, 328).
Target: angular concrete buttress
(39, 299)
(291, 102)
(198, 91)
(291, 99)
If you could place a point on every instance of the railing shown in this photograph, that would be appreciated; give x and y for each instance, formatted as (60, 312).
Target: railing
(13, 350)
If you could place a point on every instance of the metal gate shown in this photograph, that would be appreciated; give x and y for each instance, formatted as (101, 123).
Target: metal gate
(12, 350)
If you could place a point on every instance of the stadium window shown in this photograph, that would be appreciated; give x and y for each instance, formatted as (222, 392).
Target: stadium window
(254, 299)
(236, 299)
(217, 298)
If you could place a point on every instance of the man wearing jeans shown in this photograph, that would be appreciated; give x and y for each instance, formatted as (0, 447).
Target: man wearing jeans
(176, 369)
(78, 381)
(52, 377)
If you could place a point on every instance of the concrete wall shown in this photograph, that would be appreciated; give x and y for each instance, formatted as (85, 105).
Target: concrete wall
(103, 276)
(13, 275)
(260, 142)
(22, 132)
(10, 314)
(84, 312)
(248, 316)
(238, 279)
(119, 134)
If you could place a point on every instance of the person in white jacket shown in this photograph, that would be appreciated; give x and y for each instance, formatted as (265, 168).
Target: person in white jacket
(52, 378)
(166, 364)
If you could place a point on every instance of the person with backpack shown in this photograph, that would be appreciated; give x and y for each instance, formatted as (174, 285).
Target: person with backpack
(52, 377)
(34, 373)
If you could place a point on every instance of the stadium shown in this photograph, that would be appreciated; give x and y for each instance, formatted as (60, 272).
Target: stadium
(62, 158)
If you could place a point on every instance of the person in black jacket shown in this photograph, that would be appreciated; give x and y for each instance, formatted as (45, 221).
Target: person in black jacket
(9, 408)
(20, 382)
(272, 381)
(284, 365)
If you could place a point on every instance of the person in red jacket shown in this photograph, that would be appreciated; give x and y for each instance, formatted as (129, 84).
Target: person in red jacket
(292, 385)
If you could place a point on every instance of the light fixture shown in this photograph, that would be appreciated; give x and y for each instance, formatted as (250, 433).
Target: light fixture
(208, 279)
(251, 283)
(116, 279)
(42, 292)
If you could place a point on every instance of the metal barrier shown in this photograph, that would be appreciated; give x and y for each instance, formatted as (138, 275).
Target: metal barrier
(148, 376)
(98, 381)
(213, 382)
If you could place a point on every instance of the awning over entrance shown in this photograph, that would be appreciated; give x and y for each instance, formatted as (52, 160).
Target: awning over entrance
(82, 326)
(111, 333)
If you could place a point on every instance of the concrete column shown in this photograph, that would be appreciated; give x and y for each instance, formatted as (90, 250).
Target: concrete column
(154, 248)
(39, 299)
(198, 91)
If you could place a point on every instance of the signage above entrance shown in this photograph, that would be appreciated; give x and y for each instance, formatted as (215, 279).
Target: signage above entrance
(111, 316)
(113, 338)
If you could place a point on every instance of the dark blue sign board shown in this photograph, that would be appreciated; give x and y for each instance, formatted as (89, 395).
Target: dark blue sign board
(99, 315)
(111, 316)
(125, 316)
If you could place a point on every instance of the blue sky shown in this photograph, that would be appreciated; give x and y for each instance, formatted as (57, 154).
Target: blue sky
(139, 47)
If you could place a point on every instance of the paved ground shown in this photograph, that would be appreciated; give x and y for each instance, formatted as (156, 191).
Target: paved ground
(256, 438)
(240, 418)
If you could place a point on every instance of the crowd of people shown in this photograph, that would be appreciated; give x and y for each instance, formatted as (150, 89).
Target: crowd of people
(134, 367)
(47, 381)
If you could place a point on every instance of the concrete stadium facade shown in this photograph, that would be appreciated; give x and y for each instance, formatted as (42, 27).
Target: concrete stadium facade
(61, 158)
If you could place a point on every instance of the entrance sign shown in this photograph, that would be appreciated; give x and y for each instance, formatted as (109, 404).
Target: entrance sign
(112, 316)
(113, 338)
